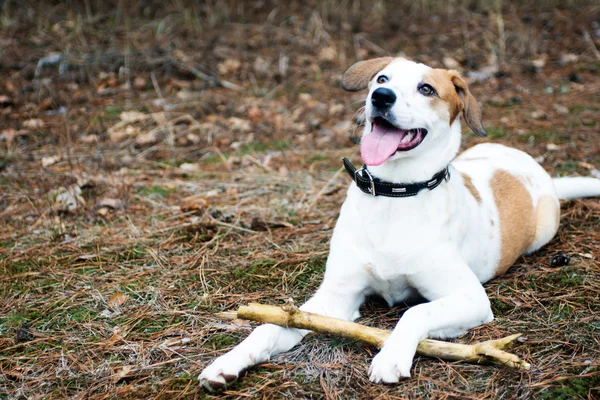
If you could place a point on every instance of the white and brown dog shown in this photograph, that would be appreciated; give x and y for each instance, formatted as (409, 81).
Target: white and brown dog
(418, 219)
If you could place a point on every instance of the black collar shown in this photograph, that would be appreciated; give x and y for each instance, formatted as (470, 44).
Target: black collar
(376, 187)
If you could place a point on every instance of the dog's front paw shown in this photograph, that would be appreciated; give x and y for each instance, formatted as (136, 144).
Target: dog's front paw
(221, 372)
(389, 366)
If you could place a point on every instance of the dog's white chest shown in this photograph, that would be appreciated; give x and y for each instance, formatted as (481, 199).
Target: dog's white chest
(391, 239)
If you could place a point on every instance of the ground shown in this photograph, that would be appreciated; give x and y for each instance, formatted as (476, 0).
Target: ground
(163, 162)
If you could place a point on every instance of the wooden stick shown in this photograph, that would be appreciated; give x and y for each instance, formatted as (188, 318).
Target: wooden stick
(290, 316)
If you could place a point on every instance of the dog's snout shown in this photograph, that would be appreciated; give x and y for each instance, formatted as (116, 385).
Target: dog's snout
(383, 98)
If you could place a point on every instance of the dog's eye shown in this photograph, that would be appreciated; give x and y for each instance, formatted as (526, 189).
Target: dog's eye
(382, 79)
(426, 90)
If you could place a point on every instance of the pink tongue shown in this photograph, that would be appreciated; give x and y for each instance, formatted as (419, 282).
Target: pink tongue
(379, 145)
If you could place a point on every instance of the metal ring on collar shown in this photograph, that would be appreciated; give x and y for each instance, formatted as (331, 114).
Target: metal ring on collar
(371, 180)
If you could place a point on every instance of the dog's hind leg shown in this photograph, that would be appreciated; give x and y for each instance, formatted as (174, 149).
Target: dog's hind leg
(547, 220)
(458, 303)
(338, 297)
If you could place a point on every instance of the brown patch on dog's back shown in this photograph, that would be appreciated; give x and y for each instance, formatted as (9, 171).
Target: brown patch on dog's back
(447, 98)
(471, 188)
(517, 219)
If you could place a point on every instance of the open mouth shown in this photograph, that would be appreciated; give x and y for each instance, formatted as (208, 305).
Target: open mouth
(386, 139)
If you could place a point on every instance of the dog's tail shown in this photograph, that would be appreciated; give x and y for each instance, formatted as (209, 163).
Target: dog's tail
(576, 187)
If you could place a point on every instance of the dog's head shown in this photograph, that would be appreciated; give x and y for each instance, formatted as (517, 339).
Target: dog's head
(410, 107)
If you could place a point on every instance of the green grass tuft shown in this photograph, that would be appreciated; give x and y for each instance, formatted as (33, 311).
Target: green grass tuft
(574, 388)
(221, 341)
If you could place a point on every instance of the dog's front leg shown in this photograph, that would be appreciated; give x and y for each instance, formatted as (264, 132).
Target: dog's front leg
(458, 303)
(338, 297)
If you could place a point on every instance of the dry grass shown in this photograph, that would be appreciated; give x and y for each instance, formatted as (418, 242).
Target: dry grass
(214, 197)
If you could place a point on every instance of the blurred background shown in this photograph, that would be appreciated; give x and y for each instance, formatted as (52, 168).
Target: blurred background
(161, 161)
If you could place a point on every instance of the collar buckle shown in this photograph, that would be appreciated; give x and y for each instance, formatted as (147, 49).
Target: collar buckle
(447, 174)
(371, 180)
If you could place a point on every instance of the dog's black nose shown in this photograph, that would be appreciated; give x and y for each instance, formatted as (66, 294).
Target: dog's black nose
(383, 98)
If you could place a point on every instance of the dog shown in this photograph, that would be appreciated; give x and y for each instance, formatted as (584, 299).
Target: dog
(417, 220)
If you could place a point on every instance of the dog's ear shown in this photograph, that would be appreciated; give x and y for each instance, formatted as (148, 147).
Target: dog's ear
(360, 74)
(471, 110)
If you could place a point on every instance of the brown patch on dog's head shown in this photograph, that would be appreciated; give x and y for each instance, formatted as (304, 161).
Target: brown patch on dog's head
(447, 98)
(453, 94)
(358, 76)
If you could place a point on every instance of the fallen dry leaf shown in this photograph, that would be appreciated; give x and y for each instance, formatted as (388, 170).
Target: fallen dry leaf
(450, 63)
(67, 199)
(560, 109)
(586, 165)
(238, 124)
(119, 133)
(540, 62)
(567, 58)
(328, 54)
(34, 123)
(194, 204)
(538, 114)
(146, 139)
(50, 160)
(139, 82)
(8, 135)
(115, 338)
(5, 101)
(89, 138)
(114, 204)
(123, 372)
(106, 206)
(133, 116)
(229, 66)
(190, 167)
(117, 300)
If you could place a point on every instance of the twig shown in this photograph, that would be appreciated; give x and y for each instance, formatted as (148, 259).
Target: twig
(324, 189)
(210, 78)
(170, 140)
(590, 41)
(291, 316)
